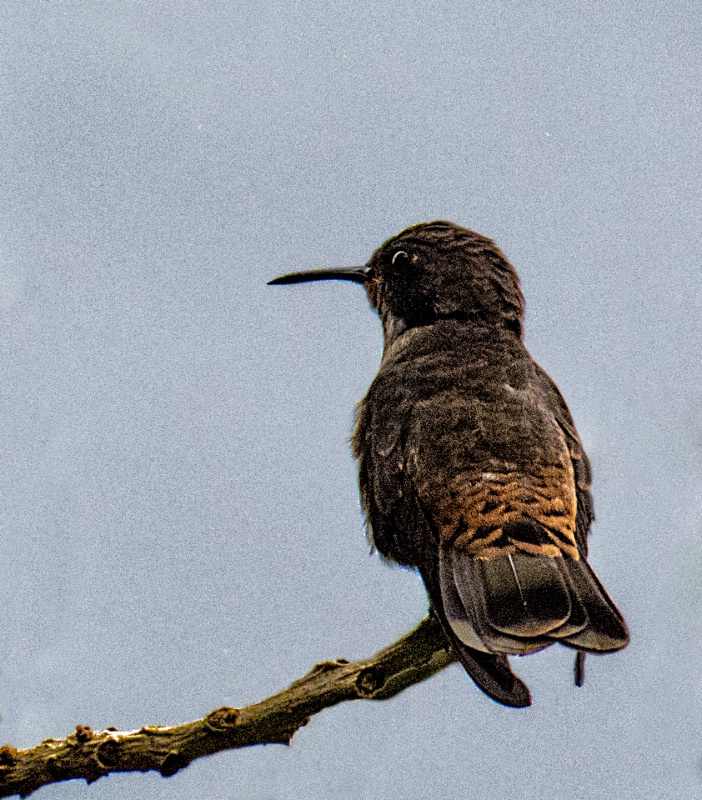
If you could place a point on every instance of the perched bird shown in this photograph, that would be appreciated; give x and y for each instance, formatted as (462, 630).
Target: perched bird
(471, 470)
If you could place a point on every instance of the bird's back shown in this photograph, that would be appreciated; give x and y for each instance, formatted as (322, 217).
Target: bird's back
(471, 470)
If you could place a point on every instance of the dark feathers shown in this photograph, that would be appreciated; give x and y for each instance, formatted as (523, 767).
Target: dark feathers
(471, 468)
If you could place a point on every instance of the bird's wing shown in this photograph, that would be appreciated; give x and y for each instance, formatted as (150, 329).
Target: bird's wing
(392, 516)
(585, 513)
(400, 530)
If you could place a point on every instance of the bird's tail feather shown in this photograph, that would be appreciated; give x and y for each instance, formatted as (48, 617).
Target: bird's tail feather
(518, 603)
(606, 630)
(490, 671)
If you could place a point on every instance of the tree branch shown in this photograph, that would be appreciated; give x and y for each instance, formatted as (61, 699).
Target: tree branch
(91, 755)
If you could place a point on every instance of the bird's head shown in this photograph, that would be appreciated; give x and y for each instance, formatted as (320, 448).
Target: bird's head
(432, 271)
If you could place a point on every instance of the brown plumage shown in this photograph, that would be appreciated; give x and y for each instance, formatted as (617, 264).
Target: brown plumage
(470, 467)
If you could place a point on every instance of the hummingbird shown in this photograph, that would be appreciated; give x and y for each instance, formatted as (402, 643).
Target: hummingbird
(471, 470)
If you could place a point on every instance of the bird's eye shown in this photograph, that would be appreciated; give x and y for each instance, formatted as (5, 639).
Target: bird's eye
(399, 257)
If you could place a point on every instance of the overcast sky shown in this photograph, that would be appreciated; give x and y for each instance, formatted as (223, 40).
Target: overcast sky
(178, 504)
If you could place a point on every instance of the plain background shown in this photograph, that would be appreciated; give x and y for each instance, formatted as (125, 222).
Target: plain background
(179, 512)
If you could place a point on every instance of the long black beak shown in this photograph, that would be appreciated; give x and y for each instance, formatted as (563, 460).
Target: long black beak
(355, 274)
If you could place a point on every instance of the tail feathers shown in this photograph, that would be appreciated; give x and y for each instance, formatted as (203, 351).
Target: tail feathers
(520, 595)
(490, 672)
(476, 606)
(606, 630)
(520, 603)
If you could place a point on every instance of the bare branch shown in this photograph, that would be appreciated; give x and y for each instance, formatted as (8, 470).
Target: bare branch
(90, 755)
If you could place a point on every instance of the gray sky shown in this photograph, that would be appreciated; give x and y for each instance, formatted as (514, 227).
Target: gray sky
(178, 503)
